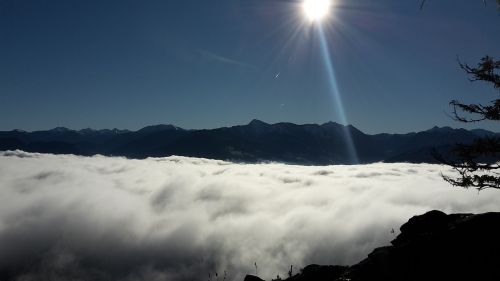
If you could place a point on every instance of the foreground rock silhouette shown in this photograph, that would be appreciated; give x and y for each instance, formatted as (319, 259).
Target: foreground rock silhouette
(433, 246)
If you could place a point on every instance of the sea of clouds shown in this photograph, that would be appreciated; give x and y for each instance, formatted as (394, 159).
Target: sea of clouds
(100, 218)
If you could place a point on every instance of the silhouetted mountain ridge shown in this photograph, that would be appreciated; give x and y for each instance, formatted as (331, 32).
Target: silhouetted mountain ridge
(310, 144)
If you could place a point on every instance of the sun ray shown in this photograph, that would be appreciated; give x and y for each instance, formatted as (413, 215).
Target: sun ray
(336, 95)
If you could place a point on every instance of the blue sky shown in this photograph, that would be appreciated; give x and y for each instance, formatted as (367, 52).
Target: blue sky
(206, 63)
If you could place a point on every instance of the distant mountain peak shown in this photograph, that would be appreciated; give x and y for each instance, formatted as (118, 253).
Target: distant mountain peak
(90, 131)
(331, 124)
(258, 123)
(354, 129)
(87, 130)
(159, 128)
(60, 130)
(482, 132)
(119, 131)
(440, 129)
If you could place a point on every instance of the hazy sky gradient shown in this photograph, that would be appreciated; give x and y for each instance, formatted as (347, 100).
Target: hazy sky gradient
(205, 64)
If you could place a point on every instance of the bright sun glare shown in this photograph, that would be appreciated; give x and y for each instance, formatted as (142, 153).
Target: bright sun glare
(316, 10)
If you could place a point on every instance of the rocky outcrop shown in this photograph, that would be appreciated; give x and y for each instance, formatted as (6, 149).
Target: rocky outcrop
(319, 272)
(433, 246)
(252, 278)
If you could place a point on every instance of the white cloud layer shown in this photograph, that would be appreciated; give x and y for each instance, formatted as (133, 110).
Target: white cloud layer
(177, 218)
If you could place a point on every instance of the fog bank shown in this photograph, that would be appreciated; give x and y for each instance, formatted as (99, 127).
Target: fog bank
(99, 218)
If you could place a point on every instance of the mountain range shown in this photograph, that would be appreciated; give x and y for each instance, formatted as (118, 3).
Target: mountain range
(309, 144)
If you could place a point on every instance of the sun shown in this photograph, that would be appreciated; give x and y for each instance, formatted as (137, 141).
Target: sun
(316, 10)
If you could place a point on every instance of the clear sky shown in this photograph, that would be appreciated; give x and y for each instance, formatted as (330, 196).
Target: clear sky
(211, 63)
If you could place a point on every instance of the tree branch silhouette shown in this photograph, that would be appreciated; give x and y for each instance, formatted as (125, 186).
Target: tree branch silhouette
(479, 162)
